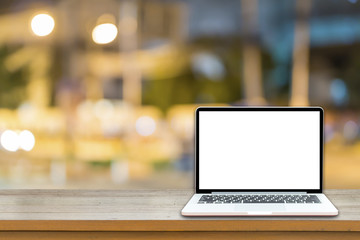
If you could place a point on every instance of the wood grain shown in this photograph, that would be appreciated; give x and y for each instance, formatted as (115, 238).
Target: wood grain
(151, 211)
(178, 235)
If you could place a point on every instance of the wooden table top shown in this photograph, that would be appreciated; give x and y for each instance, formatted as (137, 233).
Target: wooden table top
(150, 210)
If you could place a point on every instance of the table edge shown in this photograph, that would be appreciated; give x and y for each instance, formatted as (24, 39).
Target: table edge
(179, 225)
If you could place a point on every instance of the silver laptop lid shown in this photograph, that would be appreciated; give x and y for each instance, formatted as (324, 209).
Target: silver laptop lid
(262, 149)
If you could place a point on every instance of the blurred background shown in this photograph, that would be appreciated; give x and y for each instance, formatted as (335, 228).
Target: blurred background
(101, 94)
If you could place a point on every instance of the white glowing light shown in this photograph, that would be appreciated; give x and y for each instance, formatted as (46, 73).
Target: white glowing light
(42, 24)
(104, 109)
(84, 110)
(208, 65)
(145, 126)
(351, 130)
(104, 33)
(10, 140)
(26, 140)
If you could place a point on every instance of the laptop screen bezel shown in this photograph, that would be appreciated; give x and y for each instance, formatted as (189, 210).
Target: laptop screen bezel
(294, 109)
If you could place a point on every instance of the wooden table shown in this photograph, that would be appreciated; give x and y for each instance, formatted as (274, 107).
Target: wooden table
(155, 214)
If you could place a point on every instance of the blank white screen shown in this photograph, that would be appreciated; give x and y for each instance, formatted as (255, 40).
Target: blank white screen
(259, 150)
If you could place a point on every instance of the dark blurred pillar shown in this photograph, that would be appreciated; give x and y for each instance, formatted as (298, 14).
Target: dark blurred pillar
(69, 89)
(300, 70)
(252, 73)
(128, 30)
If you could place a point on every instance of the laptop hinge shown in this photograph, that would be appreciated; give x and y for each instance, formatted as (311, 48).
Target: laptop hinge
(258, 192)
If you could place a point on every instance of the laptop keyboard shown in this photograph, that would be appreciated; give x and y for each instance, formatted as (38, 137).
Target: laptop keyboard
(271, 198)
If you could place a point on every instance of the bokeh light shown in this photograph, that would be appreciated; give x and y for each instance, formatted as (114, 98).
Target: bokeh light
(351, 130)
(104, 33)
(145, 126)
(104, 109)
(209, 66)
(42, 24)
(339, 92)
(10, 141)
(26, 140)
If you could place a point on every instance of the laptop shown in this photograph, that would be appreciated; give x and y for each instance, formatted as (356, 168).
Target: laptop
(259, 161)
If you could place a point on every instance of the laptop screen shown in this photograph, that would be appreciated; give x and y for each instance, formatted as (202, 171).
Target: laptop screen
(259, 148)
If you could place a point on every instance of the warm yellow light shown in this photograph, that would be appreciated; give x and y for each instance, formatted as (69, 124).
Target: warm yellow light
(104, 33)
(42, 24)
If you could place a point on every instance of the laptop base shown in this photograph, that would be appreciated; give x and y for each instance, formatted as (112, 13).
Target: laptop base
(325, 208)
